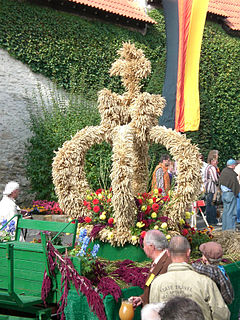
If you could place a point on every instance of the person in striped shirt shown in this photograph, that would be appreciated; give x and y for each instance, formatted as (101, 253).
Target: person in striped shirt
(211, 182)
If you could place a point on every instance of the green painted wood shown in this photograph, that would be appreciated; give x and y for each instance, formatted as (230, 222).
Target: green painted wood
(128, 251)
(59, 227)
(22, 274)
(7, 317)
(46, 225)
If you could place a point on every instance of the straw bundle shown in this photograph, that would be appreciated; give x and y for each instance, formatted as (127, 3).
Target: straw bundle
(129, 123)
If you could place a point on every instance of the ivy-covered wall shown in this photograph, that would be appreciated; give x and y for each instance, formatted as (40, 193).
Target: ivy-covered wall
(77, 54)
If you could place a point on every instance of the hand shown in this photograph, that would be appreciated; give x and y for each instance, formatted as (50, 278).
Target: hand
(136, 301)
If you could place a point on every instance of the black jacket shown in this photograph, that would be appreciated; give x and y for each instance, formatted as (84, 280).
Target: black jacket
(228, 178)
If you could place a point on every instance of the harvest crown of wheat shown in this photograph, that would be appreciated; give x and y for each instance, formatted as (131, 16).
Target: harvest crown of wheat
(129, 123)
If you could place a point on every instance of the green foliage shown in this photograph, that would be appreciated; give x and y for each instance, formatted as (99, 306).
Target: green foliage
(74, 52)
(52, 122)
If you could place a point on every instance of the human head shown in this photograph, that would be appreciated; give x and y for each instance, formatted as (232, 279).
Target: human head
(11, 189)
(151, 311)
(212, 252)
(154, 242)
(165, 159)
(231, 163)
(212, 155)
(181, 308)
(179, 249)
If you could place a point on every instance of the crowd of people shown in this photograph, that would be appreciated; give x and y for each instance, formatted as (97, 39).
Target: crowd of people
(176, 289)
(216, 186)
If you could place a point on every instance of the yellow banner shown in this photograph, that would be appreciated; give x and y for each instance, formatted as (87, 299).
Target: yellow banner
(191, 82)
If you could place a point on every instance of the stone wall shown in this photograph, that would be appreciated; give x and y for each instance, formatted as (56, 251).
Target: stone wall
(17, 84)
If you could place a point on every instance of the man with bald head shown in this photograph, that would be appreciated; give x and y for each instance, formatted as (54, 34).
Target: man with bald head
(155, 247)
(181, 280)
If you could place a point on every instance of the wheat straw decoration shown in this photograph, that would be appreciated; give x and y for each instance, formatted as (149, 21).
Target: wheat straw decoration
(129, 122)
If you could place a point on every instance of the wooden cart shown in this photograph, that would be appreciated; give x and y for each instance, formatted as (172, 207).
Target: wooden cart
(22, 266)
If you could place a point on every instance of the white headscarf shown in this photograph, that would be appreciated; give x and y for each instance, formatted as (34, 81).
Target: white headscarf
(10, 187)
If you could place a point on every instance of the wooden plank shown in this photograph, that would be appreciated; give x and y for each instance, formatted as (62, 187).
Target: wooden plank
(46, 225)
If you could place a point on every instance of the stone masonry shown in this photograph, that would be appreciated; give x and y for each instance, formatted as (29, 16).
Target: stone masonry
(17, 84)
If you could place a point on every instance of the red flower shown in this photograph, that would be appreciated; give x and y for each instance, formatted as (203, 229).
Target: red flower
(110, 220)
(148, 210)
(96, 209)
(155, 207)
(109, 200)
(165, 198)
(143, 233)
(87, 219)
(86, 203)
(95, 201)
(184, 232)
(140, 201)
(98, 191)
(89, 207)
(160, 190)
(154, 199)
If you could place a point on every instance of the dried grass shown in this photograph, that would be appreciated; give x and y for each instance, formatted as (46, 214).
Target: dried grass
(230, 242)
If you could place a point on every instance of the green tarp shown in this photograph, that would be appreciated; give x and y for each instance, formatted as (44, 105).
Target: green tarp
(233, 271)
(77, 307)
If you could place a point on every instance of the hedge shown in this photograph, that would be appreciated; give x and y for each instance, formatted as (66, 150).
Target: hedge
(77, 54)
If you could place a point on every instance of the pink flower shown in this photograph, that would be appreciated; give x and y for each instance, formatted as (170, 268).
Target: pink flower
(95, 201)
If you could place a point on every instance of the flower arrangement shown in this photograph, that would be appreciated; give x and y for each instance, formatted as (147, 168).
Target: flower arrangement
(44, 207)
(106, 276)
(149, 215)
(194, 236)
(86, 256)
(7, 231)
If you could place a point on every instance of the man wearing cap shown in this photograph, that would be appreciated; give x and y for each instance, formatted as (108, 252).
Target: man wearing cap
(230, 189)
(211, 256)
(181, 280)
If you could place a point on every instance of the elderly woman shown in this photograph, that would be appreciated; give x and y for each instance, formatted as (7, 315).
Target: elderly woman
(8, 207)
